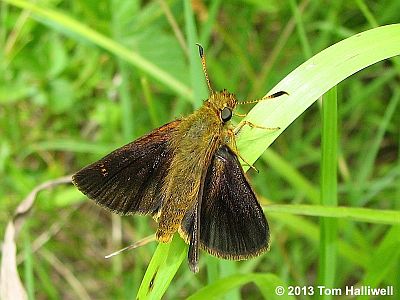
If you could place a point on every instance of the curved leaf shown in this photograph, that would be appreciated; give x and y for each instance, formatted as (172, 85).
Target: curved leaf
(311, 80)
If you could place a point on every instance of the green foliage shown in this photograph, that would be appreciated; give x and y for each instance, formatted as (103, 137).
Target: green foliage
(80, 78)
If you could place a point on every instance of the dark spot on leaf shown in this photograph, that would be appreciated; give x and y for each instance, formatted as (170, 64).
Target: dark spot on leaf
(152, 281)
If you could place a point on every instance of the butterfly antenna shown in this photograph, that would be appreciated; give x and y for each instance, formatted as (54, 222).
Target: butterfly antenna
(137, 244)
(274, 95)
(203, 64)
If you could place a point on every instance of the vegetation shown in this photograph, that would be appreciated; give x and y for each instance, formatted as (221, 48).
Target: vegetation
(81, 78)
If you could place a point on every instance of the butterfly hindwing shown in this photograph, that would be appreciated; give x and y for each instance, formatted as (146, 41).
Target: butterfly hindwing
(232, 224)
(129, 179)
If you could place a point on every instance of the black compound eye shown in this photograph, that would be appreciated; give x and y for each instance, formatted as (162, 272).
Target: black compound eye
(226, 114)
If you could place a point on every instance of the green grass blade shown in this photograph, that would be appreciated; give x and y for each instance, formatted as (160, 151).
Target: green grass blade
(300, 29)
(328, 233)
(77, 146)
(64, 23)
(382, 260)
(367, 13)
(396, 205)
(209, 24)
(162, 268)
(368, 215)
(368, 161)
(126, 104)
(199, 87)
(148, 96)
(44, 277)
(309, 230)
(293, 176)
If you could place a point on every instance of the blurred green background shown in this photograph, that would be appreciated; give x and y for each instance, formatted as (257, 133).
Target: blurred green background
(65, 101)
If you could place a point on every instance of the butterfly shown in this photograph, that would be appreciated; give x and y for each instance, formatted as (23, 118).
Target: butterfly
(186, 174)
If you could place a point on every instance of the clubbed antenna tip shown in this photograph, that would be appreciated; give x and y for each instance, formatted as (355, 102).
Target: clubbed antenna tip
(203, 63)
(201, 50)
(275, 95)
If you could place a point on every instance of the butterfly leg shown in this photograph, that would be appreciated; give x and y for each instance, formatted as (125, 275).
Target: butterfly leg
(233, 146)
(252, 125)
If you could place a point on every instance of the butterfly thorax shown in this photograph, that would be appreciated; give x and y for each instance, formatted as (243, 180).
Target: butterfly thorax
(194, 143)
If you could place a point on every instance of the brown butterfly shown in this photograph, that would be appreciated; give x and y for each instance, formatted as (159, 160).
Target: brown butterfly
(187, 175)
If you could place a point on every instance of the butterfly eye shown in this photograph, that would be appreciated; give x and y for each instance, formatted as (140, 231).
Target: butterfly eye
(226, 114)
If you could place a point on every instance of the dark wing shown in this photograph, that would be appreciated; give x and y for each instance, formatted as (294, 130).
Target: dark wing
(129, 179)
(232, 223)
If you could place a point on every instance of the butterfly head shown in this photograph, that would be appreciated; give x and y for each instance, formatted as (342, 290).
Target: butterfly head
(223, 103)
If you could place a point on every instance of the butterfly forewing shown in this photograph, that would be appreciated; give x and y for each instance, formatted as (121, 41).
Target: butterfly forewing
(129, 179)
(232, 223)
